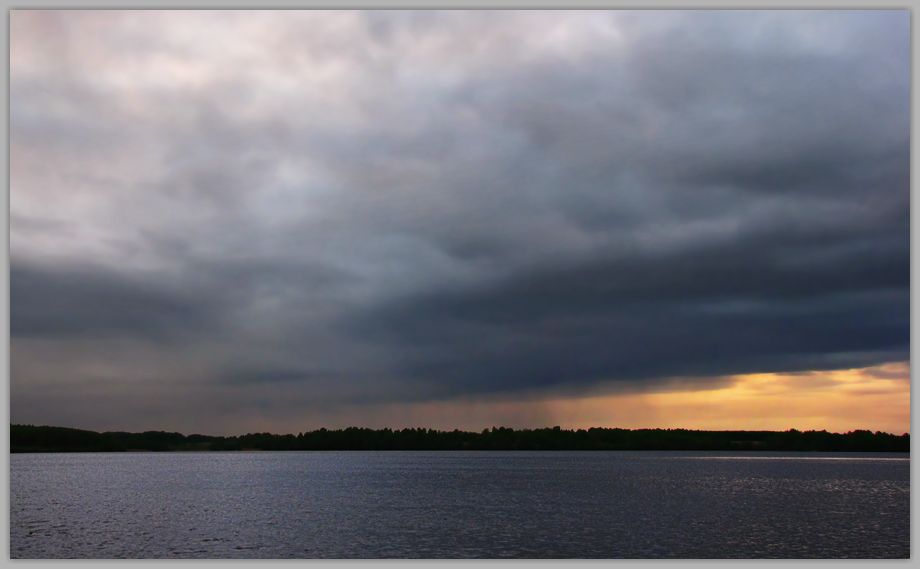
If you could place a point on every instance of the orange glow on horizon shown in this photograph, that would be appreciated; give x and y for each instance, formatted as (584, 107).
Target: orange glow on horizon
(875, 398)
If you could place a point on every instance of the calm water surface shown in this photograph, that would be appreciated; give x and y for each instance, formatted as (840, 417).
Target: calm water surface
(459, 504)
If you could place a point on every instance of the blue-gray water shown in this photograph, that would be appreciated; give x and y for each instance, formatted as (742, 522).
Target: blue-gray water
(459, 504)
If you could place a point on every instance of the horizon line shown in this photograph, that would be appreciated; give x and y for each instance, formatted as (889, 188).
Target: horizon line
(491, 428)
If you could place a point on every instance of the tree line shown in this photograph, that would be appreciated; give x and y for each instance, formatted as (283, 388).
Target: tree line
(31, 438)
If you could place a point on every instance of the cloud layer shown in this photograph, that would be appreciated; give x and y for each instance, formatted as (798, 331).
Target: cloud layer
(309, 209)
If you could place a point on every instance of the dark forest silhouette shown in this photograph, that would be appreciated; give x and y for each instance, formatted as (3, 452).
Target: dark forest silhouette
(29, 438)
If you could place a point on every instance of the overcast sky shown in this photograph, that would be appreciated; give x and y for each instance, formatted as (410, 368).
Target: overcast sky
(230, 220)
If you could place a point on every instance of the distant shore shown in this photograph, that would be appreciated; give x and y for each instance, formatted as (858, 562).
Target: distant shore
(31, 438)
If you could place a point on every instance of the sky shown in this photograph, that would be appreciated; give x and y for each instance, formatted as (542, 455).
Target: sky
(228, 222)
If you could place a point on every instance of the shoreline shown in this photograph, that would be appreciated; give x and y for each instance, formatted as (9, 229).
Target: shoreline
(49, 439)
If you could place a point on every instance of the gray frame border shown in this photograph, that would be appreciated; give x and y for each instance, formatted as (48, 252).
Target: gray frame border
(434, 4)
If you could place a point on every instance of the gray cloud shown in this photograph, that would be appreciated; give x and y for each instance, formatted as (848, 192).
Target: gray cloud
(406, 205)
(83, 302)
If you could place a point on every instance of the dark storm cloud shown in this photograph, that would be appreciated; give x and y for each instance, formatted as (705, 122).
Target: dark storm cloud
(95, 302)
(705, 312)
(412, 205)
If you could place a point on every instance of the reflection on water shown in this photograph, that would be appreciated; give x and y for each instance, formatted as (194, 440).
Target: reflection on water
(796, 458)
(459, 504)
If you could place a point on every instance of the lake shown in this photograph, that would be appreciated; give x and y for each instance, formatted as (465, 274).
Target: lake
(459, 505)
